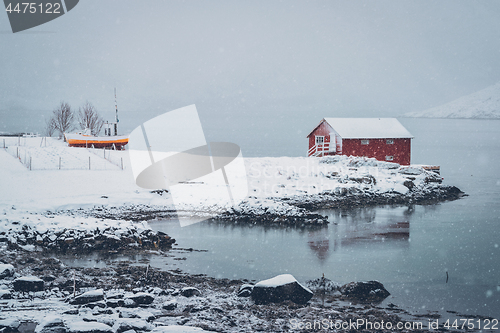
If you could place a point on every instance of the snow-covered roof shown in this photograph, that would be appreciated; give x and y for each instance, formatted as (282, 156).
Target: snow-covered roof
(368, 128)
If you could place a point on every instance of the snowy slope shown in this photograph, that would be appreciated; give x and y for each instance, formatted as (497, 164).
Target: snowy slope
(484, 104)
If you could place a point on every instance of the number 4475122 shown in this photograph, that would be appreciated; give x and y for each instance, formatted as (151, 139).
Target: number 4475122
(32, 8)
(485, 324)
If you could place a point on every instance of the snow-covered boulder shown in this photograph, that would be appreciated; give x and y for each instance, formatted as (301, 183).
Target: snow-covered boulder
(136, 324)
(114, 303)
(88, 297)
(280, 288)
(245, 290)
(6, 270)
(5, 294)
(9, 325)
(28, 283)
(88, 327)
(170, 305)
(142, 298)
(51, 324)
(190, 291)
(370, 291)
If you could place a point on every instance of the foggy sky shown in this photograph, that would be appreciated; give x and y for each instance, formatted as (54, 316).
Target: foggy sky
(254, 69)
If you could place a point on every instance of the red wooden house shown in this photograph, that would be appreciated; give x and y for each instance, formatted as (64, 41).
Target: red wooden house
(382, 138)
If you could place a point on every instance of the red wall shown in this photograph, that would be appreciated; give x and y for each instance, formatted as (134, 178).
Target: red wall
(379, 149)
(322, 130)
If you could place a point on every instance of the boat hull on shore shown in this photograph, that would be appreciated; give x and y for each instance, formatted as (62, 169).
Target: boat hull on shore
(80, 140)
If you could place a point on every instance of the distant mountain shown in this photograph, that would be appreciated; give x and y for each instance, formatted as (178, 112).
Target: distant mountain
(484, 104)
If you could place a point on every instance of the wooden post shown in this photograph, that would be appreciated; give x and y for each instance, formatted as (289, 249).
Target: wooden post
(30, 162)
(59, 162)
(4, 143)
(17, 152)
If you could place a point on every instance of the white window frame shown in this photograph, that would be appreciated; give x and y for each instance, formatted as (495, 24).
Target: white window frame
(365, 142)
(322, 140)
(389, 158)
(389, 141)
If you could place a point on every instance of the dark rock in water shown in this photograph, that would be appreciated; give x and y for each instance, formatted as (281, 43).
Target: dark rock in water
(5, 294)
(280, 288)
(88, 297)
(28, 283)
(371, 291)
(6, 270)
(245, 290)
(88, 327)
(9, 325)
(142, 298)
(190, 291)
(170, 305)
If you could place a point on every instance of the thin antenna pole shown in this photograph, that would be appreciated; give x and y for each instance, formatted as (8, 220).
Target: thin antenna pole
(116, 115)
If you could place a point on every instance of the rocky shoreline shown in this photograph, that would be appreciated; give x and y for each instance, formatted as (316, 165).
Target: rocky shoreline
(131, 297)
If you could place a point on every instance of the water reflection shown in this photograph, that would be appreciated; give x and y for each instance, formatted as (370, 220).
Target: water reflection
(361, 225)
(319, 243)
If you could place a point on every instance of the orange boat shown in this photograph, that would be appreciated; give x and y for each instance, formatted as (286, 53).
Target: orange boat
(82, 140)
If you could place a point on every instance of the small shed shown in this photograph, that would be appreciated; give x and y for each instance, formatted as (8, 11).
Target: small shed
(382, 138)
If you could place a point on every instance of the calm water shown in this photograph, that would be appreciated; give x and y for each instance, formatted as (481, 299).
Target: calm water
(409, 249)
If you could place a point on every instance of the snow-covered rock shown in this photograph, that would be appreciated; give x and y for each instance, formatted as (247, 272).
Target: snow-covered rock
(28, 283)
(190, 292)
(170, 305)
(125, 324)
(51, 323)
(365, 291)
(88, 297)
(280, 288)
(9, 325)
(6, 270)
(141, 298)
(5, 294)
(245, 290)
(88, 327)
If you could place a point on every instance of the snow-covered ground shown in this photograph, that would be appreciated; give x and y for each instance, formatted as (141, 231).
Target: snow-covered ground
(48, 198)
(483, 104)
